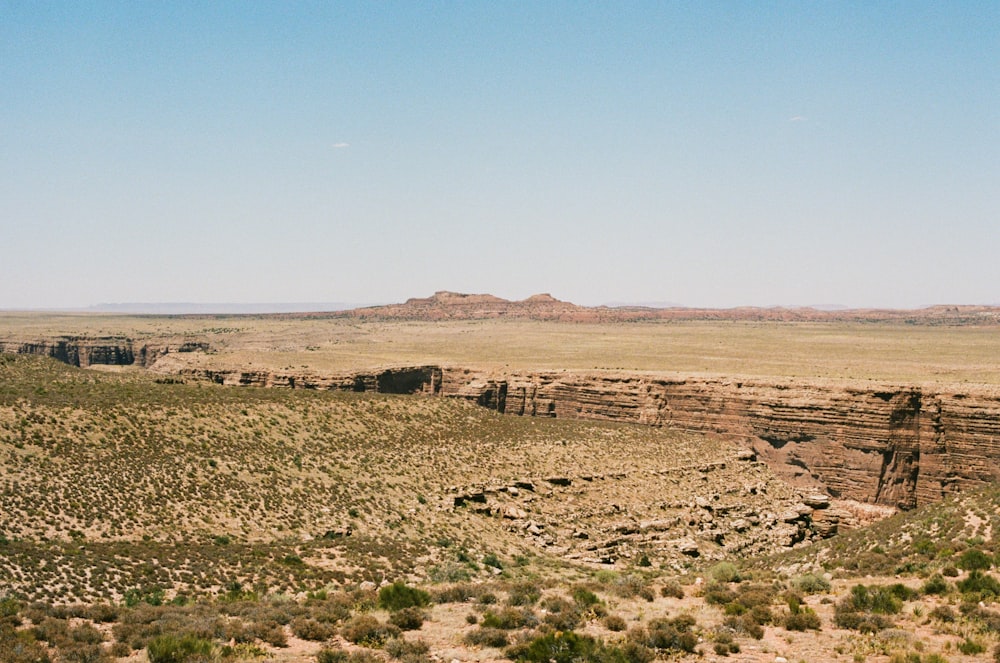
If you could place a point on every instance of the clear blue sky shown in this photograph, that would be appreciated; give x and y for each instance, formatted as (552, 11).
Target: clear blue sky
(704, 153)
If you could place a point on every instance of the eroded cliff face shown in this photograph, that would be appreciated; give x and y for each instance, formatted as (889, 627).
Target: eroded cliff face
(898, 446)
(109, 351)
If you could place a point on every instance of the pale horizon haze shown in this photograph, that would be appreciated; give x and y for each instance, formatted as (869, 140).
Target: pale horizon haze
(708, 154)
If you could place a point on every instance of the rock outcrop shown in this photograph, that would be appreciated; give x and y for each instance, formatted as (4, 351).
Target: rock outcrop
(895, 445)
(104, 351)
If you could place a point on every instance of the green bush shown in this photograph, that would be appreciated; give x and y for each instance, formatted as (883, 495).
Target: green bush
(936, 584)
(585, 598)
(970, 647)
(980, 584)
(523, 593)
(173, 649)
(568, 647)
(878, 600)
(492, 560)
(486, 637)
(398, 596)
(725, 572)
(811, 583)
(803, 619)
(975, 560)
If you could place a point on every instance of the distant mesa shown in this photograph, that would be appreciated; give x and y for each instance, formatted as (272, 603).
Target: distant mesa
(448, 305)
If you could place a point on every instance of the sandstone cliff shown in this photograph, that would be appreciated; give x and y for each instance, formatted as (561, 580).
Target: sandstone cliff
(107, 351)
(897, 445)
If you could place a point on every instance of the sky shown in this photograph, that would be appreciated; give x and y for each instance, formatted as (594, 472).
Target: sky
(699, 153)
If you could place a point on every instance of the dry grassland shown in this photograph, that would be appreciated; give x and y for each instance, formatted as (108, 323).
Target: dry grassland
(912, 354)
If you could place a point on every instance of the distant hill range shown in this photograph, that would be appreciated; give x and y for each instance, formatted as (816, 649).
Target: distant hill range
(445, 305)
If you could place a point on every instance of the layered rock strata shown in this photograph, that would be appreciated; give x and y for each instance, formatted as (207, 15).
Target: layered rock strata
(896, 445)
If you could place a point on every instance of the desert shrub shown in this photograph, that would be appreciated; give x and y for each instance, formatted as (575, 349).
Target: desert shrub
(486, 637)
(752, 596)
(724, 644)
(492, 560)
(631, 586)
(272, 634)
(949, 572)
(150, 595)
(398, 596)
(988, 620)
(458, 593)
(87, 653)
(414, 651)
(523, 593)
(173, 649)
(936, 584)
(87, 634)
(744, 624)
(980, 584)
(487, 598)
(449, 572)
(716, 594)
(614, 623)
(311, 629)
(368, 631)
(568, 647)
(20, 647)
(943, 613)
(902, 592)
(667, 634)
(407, 619)
(865, 608)
(561, 614)
(120, 649)
(628, 651)
(878, 600)
(974, 560)
(811, 583)
(971, 647)
(672, 589)
(53, 631)
(507, 618)
(341, 656)
(725, 572)
(804, 619)
(862, 621)
(9, 609)
(585, 598)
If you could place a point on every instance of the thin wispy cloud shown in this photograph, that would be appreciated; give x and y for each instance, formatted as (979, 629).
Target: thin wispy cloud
(798, 118)
(340, 146)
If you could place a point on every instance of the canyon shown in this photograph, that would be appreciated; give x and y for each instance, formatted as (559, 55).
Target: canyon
(897, 445)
